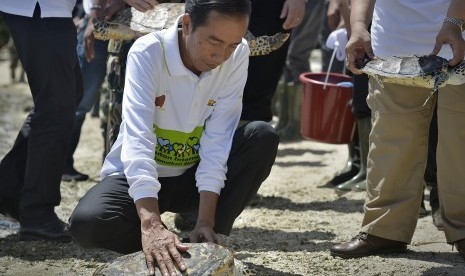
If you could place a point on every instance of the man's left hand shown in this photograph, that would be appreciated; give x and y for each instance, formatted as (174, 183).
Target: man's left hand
(450, 34)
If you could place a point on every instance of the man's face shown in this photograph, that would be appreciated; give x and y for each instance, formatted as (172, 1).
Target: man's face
(209, 45)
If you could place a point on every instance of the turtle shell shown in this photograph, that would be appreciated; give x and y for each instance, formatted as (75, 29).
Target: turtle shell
(201, 259)
(161, 17)
(405, 67)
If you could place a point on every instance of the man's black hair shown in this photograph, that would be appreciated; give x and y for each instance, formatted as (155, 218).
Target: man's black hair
(200, 9)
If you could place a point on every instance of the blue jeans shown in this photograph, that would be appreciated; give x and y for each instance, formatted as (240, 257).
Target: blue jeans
(93, 74)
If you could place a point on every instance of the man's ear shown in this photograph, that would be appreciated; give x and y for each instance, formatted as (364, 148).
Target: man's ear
(186, 23)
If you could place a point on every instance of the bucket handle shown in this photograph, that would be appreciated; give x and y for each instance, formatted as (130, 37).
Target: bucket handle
(329, 67)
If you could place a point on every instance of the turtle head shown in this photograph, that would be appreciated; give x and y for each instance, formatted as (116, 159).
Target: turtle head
(457, 74)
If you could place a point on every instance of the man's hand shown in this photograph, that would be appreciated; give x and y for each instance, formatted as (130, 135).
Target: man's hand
(358, 45)
(334, 13)
(142, 5)
(203, 232)
(450, 34)
(293, 11)
(161, 247)
(88, 40)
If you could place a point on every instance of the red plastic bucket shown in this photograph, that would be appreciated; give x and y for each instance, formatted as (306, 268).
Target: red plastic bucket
(326, 111)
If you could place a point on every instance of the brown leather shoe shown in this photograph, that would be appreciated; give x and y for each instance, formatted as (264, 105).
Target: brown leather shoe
(366, 245)
(460, 245)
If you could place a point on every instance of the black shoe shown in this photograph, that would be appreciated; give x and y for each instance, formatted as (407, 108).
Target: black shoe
(345, 174)
(72, 174)
(9, 209)
(50, 231)
(186, 221)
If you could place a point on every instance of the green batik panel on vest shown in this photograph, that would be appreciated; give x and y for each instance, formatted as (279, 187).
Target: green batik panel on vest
(176, 148)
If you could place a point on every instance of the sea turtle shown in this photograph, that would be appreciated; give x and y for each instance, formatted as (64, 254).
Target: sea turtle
(129, 24)
(421, 71)
(201, 259)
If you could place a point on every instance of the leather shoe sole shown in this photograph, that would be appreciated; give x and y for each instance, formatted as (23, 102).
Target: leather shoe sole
(51, 231)
(366, 245)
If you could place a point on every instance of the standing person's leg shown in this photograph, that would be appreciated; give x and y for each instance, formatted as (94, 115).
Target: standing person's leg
(44, 138)
(431, 172)
(304, 39)
(326, 53)
(362, 113)
(252, 155)
(450, 160)
(396, 165)
(397, 160)
(264, 71)
(93, 74)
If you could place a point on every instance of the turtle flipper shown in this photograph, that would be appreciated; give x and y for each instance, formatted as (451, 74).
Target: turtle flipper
(263, 45)
(241, 269)
(440, 80)
(107, 30)
(457, 74)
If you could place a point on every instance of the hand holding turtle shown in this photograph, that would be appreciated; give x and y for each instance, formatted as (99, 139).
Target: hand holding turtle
(97, 13)
(452, 35)
(293, 11)
(142, 5)
(161, 246)
(358, 45)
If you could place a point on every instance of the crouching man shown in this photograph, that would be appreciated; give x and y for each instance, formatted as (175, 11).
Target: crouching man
(180, 147)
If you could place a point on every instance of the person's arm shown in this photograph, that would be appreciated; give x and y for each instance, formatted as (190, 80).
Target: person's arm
(206, 220)
(451, 33)
(138, 140)
(215, 146)
(360, 40)
(160, 246)
(104, 10)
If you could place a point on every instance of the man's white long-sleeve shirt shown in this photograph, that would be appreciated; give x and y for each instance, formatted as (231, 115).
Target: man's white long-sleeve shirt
(172, 118)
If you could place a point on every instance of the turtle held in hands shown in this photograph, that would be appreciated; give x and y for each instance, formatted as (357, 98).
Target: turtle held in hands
(130, 24)
(421, 71)
(202, 259)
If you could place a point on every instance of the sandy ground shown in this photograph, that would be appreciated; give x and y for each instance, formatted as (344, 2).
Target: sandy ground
(289, 231)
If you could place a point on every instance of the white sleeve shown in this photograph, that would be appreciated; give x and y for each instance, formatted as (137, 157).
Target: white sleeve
(138, 143)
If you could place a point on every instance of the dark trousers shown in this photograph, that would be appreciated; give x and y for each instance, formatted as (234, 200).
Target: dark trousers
(264, 71)
(31, 171)
(106, 216)
(431, 178)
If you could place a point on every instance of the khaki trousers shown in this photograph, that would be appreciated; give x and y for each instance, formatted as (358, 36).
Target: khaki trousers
(398, 154)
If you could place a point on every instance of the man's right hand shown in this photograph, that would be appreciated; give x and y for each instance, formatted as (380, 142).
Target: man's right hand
(358, 45)
(162, 247)
(159, 245)
(142, 5)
